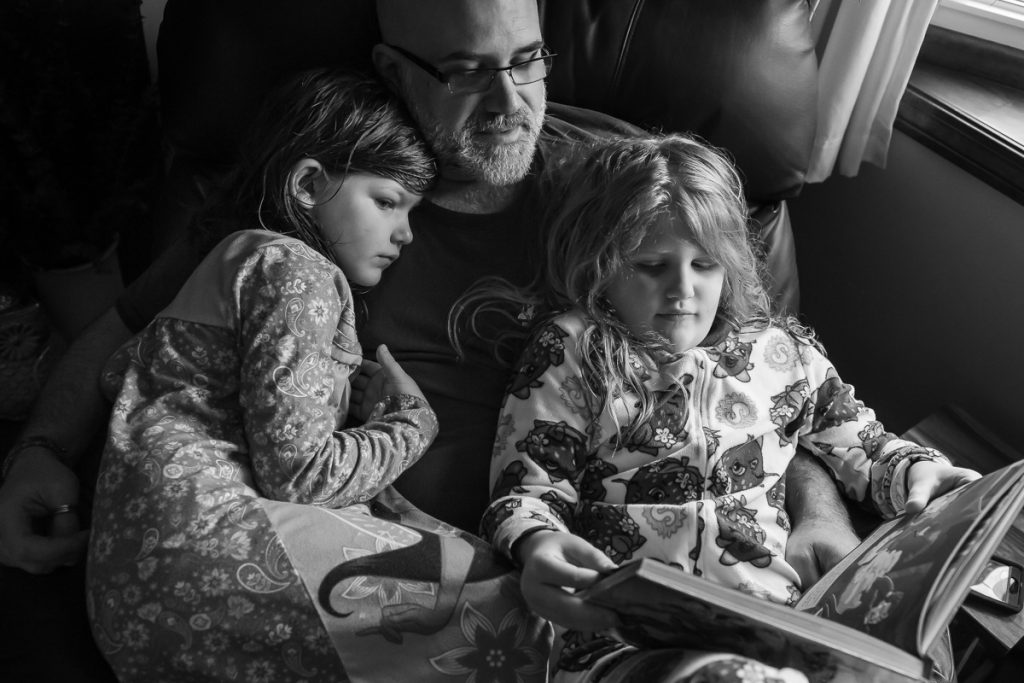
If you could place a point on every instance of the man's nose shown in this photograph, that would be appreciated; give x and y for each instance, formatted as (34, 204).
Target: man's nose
(502, 96)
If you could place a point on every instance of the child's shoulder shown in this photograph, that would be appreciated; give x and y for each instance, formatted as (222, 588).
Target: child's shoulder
(271, 250)
(572, 321)
(255, 240)
(255, 255)
(773, 334)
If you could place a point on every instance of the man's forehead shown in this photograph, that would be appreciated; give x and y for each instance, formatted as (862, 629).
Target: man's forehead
(460, 27)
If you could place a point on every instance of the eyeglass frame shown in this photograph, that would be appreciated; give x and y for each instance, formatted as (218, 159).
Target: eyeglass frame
(444, 78)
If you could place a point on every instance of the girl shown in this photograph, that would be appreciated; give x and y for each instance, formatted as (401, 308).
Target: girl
(228, 488)
(658, 402)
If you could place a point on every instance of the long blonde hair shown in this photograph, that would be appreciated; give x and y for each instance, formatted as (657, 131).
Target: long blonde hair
(602, 199)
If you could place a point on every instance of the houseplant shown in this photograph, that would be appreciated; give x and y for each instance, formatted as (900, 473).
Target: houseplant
(78, 150)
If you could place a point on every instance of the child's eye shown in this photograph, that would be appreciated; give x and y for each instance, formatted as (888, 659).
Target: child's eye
(705, 264)
(649, 266)
(384, 203)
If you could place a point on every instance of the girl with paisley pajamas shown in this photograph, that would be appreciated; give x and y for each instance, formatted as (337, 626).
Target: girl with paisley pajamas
(226, 443)
(658, 402)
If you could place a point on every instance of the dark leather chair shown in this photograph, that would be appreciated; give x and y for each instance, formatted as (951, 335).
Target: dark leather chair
(741, 74)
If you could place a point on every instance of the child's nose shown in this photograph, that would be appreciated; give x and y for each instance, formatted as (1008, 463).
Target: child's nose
(681, 285)
(402, 234)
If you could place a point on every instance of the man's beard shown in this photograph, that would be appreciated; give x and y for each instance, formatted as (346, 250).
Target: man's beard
(500, 165)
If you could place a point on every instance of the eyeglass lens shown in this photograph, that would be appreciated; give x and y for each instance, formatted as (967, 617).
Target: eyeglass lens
(479, 80)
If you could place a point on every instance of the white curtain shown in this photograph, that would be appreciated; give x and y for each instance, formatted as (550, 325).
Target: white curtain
(866, 50)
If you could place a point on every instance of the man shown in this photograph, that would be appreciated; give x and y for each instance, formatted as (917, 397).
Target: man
(472, 73)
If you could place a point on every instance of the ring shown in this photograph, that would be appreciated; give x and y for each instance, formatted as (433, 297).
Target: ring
(62, 509)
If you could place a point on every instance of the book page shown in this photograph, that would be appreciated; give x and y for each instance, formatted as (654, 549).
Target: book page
(663, 606)
(884, 587)
(952, 587)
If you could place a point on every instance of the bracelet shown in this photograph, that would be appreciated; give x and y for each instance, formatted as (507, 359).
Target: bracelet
(31, 442)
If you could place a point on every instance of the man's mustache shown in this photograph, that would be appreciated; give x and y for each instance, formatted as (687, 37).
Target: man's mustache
(500, 122)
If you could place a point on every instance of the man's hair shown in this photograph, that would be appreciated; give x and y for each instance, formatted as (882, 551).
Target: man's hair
(348, 122)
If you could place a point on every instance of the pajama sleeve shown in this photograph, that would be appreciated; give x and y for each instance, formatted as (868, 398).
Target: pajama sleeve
(869, 462)
(542, 445)
(296, 338)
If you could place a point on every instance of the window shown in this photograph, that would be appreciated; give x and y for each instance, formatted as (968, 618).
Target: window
(965, 99)
(998, 21)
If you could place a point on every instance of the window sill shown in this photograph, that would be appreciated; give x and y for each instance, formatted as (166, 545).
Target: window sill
(965, 101)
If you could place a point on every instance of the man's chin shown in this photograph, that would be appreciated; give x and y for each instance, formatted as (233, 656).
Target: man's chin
(506, 164)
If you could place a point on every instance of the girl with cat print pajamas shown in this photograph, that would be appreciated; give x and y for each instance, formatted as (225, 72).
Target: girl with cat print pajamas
(700, 485)
(657, 404)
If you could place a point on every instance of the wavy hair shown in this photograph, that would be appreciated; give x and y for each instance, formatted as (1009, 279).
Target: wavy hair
(602, 200)
(347, 121)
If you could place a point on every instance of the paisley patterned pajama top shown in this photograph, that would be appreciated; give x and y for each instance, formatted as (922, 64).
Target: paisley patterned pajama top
(232, 396)
(701, 484)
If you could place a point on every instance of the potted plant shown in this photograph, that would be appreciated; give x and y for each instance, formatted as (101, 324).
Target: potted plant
(78, 150)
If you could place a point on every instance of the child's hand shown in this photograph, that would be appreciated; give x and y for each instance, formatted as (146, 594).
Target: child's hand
(375, 380)
(554, 562)
(926, 480)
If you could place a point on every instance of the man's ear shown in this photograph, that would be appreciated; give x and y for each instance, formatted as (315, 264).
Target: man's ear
(385, 63)
(302, 181)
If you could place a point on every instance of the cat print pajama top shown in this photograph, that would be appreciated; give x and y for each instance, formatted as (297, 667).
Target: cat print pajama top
(701, 484)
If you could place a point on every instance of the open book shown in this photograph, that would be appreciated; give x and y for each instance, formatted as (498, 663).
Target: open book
(875, 616)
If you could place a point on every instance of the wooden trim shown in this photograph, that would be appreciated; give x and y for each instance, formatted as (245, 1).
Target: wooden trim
(964, 140)
(950, 128)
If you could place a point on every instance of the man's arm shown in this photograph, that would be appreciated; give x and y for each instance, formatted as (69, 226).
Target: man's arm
(822, 532)
(69, 412)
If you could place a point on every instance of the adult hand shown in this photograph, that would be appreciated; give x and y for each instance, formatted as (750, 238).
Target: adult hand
(926, 480)
(555, 561)
(377, 379)
(822, 531)
(37, 484)
(817, 545)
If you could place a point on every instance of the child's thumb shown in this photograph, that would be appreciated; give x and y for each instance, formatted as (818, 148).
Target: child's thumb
(386, 360)
(591, 557)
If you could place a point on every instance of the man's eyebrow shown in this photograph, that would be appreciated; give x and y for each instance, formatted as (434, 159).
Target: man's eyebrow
(467, 56)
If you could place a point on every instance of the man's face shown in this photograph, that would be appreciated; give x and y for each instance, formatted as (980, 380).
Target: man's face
(488, 136)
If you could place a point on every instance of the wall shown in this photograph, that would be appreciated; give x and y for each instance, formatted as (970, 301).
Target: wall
(914, 278)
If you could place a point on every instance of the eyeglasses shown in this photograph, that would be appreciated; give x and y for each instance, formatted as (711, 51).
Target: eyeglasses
(479, 80)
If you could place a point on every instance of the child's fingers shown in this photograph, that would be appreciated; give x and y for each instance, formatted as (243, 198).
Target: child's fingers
(384, 356)
(387, 361)
(367, 370)
(586, 556)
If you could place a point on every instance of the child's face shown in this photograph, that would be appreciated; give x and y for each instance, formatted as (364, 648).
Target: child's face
(670, 286)
(366, 222)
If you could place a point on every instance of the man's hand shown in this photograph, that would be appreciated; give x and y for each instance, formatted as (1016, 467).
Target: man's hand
(36, 485)
(926, 480)
(375, 380)
(555, 561)
(817, 545)
(822, 533)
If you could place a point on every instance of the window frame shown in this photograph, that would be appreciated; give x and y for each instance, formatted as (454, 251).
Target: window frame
(965, 99)
(997, 21)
